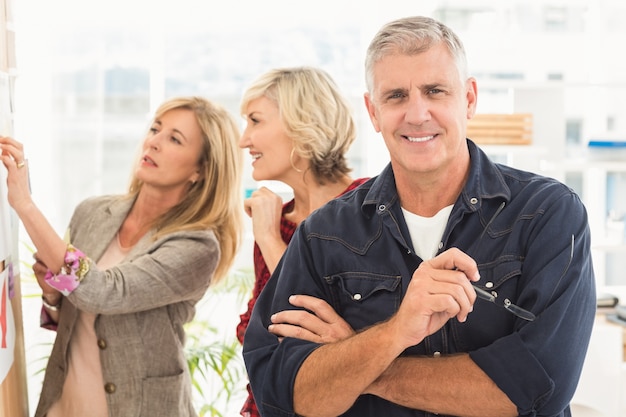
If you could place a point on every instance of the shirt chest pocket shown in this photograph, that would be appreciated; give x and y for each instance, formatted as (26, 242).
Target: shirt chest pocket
(365, 298)
(501, 279)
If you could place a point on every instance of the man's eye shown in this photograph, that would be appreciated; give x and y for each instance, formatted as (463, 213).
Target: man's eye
(394, 96)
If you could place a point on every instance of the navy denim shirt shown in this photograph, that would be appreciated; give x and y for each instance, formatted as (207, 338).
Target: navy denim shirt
(356, 254)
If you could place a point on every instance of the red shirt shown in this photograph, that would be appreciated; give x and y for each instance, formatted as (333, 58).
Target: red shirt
(262, 275)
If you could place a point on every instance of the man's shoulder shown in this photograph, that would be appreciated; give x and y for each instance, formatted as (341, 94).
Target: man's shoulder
(519, 178)
(350, 200)
(536, 190)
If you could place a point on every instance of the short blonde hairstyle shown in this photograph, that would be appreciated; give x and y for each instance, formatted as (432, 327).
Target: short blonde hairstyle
(214, 202)
(316, 117)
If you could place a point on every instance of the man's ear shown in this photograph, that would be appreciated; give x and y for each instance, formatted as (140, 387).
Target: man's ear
(471, 94)
(371, 110)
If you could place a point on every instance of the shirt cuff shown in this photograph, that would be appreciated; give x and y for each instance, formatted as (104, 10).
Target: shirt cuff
(516, 371)
(76, 266)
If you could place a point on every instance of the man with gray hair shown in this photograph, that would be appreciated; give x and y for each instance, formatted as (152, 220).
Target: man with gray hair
(447, 285)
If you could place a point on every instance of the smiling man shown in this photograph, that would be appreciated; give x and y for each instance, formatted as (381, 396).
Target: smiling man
(386, 321)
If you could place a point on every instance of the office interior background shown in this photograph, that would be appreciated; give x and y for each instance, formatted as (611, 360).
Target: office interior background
(90, 75)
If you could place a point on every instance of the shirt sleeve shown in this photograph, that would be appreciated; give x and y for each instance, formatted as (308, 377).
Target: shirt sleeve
(272, 365)
(261, 276)
(177, 267)
(539, 365)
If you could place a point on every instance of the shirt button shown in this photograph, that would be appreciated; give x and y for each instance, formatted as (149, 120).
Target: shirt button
(356, 297)
(437, 354)
(109, 387)
(473, 200)
(102, 344)
(440, 245)
(489, 285)
(382, 207)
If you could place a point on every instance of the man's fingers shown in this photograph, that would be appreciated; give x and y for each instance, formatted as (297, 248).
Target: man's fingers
(455, 259)
(319, 307)
(317, 321)
(287, 330)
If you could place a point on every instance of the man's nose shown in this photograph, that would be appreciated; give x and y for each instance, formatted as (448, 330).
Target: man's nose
(418, 109)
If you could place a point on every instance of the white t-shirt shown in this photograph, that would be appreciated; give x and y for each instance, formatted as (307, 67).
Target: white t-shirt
(426, 232)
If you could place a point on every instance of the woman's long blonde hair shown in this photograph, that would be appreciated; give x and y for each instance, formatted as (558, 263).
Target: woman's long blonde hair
(215, 201)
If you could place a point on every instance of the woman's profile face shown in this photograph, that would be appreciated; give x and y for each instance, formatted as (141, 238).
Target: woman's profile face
(267, 141)
(171, 152)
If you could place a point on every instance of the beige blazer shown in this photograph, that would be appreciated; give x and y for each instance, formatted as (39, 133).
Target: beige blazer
(141, 305)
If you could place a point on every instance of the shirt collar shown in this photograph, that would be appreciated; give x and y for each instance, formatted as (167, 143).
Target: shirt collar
(485, 181)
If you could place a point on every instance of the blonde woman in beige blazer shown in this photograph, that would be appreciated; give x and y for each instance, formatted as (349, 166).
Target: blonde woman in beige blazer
(119, 293)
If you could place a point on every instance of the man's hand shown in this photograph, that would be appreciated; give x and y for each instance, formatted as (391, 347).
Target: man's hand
(439, 290)
(318, 323)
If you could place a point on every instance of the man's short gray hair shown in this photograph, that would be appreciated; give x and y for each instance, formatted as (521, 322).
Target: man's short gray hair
(411, 36)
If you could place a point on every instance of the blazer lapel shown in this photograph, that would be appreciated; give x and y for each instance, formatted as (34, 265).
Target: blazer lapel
(102, 227)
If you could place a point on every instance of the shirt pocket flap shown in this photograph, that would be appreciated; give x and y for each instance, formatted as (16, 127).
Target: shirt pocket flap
(495, 275)
(359, 286)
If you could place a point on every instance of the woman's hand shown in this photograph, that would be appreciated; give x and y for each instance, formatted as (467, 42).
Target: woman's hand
(51, 295)
(265, 208)
(50, 247)
(12, 157)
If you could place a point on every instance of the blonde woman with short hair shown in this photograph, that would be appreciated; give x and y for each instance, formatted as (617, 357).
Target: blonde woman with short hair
(299, 129)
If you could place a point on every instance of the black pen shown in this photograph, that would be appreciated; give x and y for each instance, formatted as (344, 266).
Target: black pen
(487, 296)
